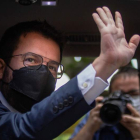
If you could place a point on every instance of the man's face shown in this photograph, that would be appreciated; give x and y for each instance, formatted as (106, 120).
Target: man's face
(127, 84)
(35, 43)
(32, 43)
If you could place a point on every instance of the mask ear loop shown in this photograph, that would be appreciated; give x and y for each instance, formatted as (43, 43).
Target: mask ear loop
(9, 66)
(6, 62)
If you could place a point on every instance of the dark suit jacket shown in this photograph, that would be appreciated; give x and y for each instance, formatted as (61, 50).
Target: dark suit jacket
(48, 118)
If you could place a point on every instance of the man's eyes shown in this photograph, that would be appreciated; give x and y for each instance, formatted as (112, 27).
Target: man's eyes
(133, 92)
(30, 60)
(53, 68)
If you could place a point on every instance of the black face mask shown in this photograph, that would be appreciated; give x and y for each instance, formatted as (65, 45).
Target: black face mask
(30, 86)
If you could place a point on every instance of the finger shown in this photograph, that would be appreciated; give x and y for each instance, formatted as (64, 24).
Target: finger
(98, 120)
(109, 15)
(99, 99)
(133, 110)
(119, 22)
(103, 16)
(132, 127)
(98, 21)
(134, 42)
(126, 125)
(98, 107)
(95, 114)
(130, 119)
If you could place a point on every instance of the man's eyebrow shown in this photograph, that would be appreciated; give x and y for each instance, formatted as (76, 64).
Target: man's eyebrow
(133, 90)
(49, 59)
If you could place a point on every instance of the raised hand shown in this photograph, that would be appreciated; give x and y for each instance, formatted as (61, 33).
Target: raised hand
(115, 51)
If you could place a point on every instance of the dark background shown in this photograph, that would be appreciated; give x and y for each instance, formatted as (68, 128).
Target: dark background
(74, 19)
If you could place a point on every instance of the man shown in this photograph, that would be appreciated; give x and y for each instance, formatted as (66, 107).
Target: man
(29, 76)
(92, 126)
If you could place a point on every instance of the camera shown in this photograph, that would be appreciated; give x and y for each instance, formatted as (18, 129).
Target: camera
(113, 107)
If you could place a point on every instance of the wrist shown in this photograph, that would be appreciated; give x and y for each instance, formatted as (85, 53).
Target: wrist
(103, 69)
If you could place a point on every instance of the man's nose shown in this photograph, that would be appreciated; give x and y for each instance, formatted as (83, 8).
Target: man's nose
(45, 63)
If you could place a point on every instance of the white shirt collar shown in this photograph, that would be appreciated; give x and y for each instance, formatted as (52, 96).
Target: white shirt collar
(6, 104)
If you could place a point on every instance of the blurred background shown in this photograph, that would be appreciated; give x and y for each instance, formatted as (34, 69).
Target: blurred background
(73, 18)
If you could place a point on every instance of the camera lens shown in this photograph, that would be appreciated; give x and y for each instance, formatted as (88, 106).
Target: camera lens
(110, 114)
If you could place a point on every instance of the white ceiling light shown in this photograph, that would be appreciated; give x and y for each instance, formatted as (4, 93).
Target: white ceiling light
(49, 2)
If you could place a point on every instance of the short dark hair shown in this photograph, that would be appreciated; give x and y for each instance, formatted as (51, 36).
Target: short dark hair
(126, 71)
(10, 39)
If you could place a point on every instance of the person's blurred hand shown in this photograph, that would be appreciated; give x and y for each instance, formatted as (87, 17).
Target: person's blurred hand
(132, 122)
(94, 122)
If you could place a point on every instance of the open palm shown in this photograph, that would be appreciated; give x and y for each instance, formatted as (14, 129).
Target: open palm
(114, 48)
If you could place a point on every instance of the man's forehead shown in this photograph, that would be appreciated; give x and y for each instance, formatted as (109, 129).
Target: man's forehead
(38, 44)
(125, 83)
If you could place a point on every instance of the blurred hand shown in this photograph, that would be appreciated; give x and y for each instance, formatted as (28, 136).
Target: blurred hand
(132, 122)
(115, 51)
(94, 122)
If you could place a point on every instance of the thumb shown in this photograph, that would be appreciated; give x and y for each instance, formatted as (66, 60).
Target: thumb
(134, 41)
